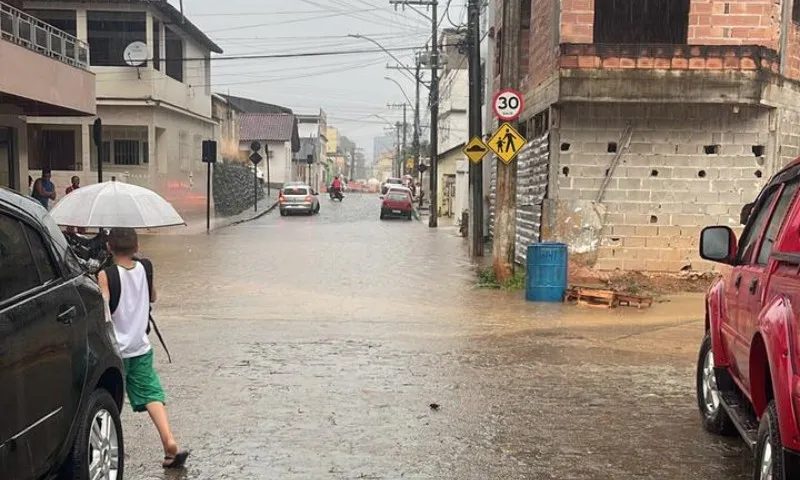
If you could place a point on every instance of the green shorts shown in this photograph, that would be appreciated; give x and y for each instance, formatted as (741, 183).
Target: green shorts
(142, 382)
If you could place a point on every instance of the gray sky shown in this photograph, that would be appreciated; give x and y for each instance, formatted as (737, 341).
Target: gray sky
(350, 88)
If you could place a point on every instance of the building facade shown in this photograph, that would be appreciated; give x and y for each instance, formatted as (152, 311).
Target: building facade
(226, 132)
(313, 131)
(654, 122)
(155, 106)
(33, 54)
(279, 139)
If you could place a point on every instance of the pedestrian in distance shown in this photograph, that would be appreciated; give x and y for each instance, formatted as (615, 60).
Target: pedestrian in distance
(74, 185)
(128, 287)
(44, 190)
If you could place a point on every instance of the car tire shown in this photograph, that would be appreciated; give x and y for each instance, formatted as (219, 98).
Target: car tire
(715, 418)
(383, 215)
(100, 408)
(768, 454)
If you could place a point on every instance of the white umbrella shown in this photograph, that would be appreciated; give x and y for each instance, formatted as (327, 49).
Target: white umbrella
(115, 204)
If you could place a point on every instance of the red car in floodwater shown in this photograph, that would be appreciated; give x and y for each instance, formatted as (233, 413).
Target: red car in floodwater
(748, 372)
(397, 203)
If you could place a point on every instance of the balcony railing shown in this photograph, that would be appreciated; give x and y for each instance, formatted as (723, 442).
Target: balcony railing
(22, 29)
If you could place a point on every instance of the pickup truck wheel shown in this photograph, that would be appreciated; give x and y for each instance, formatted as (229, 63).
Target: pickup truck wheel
(769, 449)
(715, 418)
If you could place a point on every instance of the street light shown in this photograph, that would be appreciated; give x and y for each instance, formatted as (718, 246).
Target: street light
(401, 89)
(399, 62)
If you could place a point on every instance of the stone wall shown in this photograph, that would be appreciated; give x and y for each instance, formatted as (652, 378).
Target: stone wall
(688, 166)
(233, 188)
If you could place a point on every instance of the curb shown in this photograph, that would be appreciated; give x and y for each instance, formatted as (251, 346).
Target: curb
(250, 219)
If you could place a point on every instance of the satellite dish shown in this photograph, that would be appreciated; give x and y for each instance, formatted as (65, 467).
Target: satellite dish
(135, 54)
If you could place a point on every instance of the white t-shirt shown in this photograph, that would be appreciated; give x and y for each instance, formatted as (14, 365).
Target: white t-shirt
(133, 312)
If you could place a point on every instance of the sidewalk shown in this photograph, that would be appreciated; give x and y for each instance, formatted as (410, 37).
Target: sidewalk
(196, 223)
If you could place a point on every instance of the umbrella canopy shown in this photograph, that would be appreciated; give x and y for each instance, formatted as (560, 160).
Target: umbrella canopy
(115, 204)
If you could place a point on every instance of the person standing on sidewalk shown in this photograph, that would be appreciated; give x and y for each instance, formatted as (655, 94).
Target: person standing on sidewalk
(44, 190)
(75, 184)
(127, 285)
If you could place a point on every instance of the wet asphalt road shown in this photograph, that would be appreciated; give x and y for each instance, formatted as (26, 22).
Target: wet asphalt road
(312, 348)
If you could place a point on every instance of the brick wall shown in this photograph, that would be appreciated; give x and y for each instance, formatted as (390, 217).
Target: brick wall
(577, 21)
(688, 166)
(543, 44)
(793, 52)
(740, 22)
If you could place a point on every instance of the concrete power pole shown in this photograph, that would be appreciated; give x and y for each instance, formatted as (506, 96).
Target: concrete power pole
(475, 128)
(416, 120)
(403, 167)
(398, 167)
(505, 196)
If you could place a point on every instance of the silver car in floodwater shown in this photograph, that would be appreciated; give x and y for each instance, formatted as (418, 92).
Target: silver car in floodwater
(298, 199)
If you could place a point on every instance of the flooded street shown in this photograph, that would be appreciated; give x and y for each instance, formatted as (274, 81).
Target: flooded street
(313, 348)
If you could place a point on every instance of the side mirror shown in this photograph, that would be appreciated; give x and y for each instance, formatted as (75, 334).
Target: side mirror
(745, 215)
(718, 244)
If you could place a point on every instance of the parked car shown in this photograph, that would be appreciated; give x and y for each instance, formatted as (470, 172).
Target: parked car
(298, 199)
(748, 371)
(61, 381)
(390, 181)
(397, 203)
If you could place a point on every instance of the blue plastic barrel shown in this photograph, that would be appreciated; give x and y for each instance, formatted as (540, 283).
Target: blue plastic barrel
(546, 274)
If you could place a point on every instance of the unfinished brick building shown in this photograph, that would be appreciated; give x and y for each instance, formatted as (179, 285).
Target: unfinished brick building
(698, 100)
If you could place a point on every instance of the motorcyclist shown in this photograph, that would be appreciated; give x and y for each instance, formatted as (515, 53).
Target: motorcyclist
(336, 187)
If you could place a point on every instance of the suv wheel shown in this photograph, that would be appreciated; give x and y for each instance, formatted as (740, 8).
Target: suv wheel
(98, 451)
(715, 418)
(769, 449)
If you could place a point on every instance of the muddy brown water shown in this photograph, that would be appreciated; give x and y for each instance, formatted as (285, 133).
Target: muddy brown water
(313, 347)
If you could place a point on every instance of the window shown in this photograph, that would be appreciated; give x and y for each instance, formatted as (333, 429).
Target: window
(18, 272)
(54, 149)
(44, 263)
(109, 33)
(295, 191)
(126, 152)
(750, 236)
(665, 21)
(796, 11)
(156, 44)
(61, 19)
(174, 54)
(775, 222)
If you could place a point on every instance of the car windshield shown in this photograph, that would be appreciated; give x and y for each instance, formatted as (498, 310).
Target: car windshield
(395, 181)
(295, 191)
(398, 196)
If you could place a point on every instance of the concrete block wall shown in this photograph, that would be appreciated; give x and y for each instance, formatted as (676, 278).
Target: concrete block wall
(688, 166)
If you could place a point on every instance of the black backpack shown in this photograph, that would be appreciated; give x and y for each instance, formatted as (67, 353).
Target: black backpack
(115, 290)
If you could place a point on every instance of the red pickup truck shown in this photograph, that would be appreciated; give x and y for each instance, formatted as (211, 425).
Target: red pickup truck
(748, 371)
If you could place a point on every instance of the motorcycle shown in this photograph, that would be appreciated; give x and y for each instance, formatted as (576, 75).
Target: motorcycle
(336, 194)
(91, 252)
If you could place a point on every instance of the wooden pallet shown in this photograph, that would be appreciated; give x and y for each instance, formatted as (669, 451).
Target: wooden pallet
(637, 301)
(592, 297)
(600, 297)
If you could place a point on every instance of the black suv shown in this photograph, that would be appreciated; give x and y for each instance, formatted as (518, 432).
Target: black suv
(61, 375)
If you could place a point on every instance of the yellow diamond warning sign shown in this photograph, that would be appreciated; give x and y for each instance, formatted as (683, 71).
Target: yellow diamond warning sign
(475, 150)
(506, 143)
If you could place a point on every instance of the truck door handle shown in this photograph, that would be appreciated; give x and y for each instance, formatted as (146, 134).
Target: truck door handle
(67, 315)
(738, 281)
(753, 286)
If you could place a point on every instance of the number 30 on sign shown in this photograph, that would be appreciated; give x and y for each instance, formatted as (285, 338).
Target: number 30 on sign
(508, 105)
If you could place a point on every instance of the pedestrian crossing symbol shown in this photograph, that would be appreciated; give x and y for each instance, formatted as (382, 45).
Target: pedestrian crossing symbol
(506, 143)
(475, 150)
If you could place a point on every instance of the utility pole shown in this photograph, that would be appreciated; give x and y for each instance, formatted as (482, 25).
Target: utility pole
(403, 167)
(475, 128)
(416, 120)
(433, 221)
(505, 195)
(397, 169)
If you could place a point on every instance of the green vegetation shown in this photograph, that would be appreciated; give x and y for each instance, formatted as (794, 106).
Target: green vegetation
(488, 279)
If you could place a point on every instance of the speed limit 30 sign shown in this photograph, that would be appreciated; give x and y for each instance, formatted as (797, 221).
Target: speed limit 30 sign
(508, 105)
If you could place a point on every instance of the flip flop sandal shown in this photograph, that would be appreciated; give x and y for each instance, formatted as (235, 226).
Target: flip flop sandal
(176, 461)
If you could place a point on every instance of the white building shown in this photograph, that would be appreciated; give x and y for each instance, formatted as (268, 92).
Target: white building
(453, 183)
(313, 127)
(155, 113)
(278, 135)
